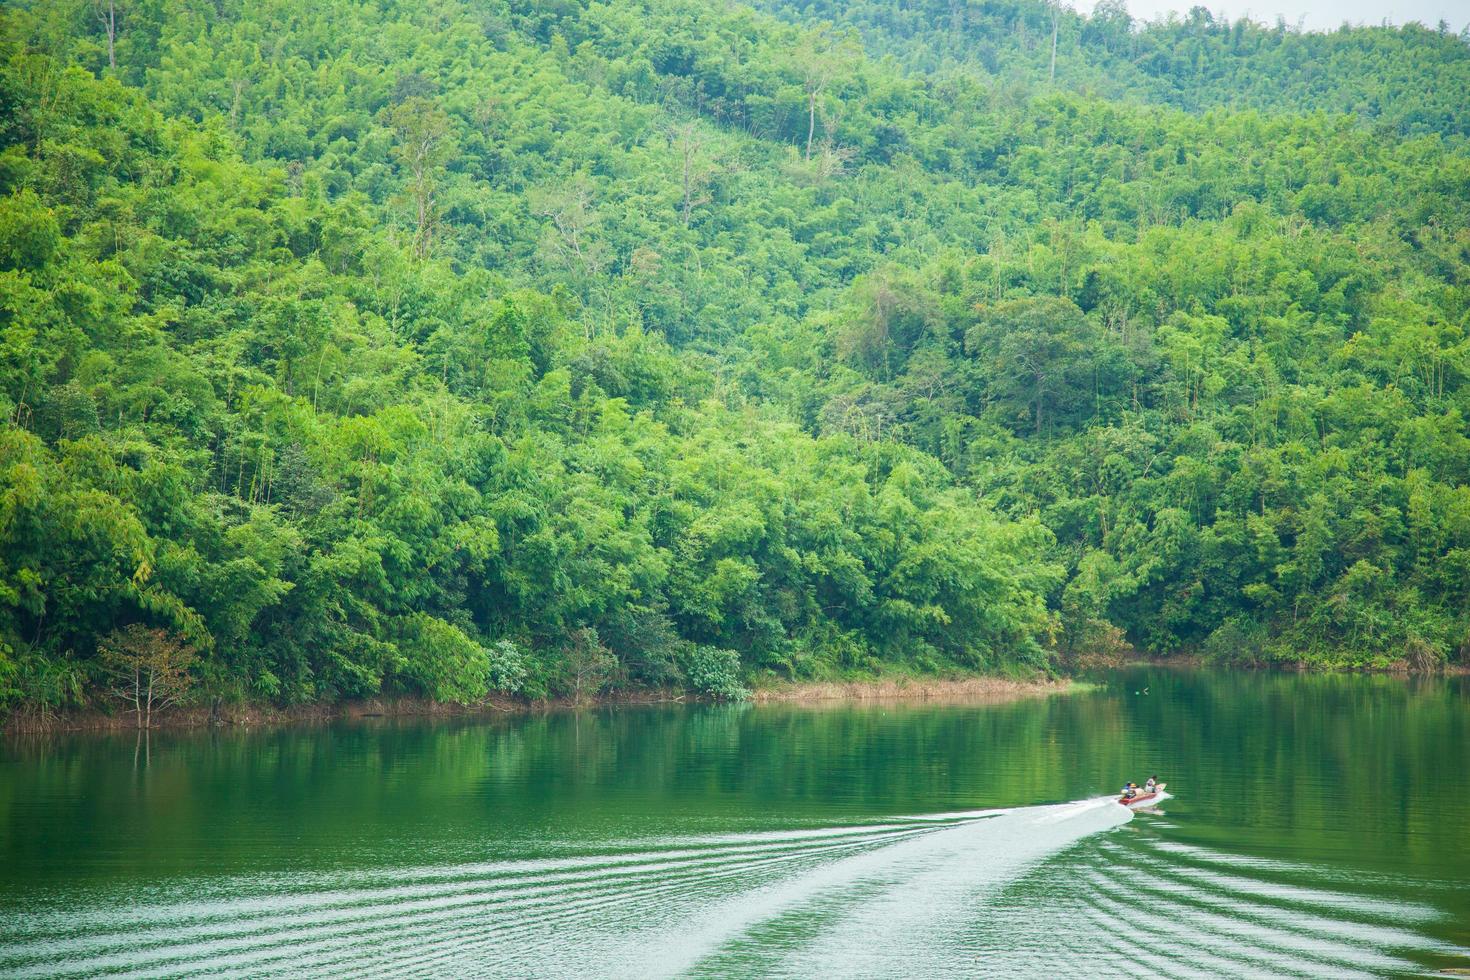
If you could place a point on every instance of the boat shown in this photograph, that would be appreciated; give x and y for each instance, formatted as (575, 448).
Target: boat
(1144, 799)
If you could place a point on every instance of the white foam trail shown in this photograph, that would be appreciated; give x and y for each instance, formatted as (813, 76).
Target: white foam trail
(959, 893)
(386, 908)
(992, 848)
(698, 927)
(547, 911)
(908, 916)
(498, 934)
(317, 948)
(197, 920)
(953, 816)
(306, 894)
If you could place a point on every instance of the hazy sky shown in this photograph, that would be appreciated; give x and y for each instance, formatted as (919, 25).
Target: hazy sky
(1314, 14)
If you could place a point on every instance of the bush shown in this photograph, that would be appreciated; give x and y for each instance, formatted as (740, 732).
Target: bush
(1423, 656)
(438, 659)
(149, 669)
(1237, 641)
(586, 665)
(8, 671)
(714, 672)
(507, 667)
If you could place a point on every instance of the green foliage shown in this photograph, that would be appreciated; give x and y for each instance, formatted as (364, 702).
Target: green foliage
(1398, 77)
(439, 660)
(148, 669)
(542, 348)
(507, 667)
(715, 673)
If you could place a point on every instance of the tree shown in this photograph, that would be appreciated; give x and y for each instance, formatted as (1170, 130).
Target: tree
(823, 59)
(1055, 8)
(440, 661)
(1037, 352)
(696, 167)
(572, 240)
(892, 315)
(588, 664)
(235, 405)
(106, 12)
(149, 667)
(422, 133)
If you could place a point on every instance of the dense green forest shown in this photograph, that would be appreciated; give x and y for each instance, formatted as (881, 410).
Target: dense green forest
(436, 347)
(1404, 80)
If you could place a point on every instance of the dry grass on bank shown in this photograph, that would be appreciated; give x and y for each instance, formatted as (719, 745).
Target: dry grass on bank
(964, 689)
(982, 689)
(226, 716)
(266, 715)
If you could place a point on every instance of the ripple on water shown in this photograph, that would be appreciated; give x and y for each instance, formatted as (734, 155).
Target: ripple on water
(1046, 889)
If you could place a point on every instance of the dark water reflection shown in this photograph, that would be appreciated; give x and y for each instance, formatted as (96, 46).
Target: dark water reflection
(1321, 824)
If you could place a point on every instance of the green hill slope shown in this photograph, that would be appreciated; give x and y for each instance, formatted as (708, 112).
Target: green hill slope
(435, 348)
(1404, 79)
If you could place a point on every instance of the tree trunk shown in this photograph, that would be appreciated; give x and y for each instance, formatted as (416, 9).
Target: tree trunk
(238, 86)
(1056, 16)
(108, 18)
(685, 209)
(423, 203)
(811, 120)
(423, 192)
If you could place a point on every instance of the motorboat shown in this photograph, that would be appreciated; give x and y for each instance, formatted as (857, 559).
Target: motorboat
(1144, 799)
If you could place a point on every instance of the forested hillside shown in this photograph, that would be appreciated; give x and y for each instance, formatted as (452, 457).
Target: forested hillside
(436, 347)
(1403, 79)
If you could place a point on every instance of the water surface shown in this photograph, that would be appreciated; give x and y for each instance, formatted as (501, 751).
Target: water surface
(1319, 827)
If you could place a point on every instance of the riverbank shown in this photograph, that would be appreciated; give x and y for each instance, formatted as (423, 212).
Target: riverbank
(983, 689)
(979, 689)
(1194, 661)
(255, 715)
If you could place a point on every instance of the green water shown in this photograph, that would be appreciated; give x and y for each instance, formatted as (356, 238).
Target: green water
(1320, 826)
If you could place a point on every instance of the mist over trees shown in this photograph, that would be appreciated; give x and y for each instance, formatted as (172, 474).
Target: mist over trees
(436, 349)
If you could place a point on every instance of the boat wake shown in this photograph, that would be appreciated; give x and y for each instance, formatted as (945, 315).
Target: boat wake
(1034, 889)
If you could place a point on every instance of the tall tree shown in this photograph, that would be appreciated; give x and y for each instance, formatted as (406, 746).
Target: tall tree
(422, 133)
(106, 13)
(823, 58)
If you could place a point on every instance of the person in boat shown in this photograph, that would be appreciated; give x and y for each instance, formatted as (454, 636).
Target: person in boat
(1152, 786)
(1130, 790)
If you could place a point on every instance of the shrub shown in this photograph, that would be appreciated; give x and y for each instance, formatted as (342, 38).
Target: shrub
(440, 660)
(1423, 656)
(714, 672)
(507, 667)
(1237, 641)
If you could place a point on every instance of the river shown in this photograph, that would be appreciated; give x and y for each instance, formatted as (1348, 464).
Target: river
(1319, 826)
